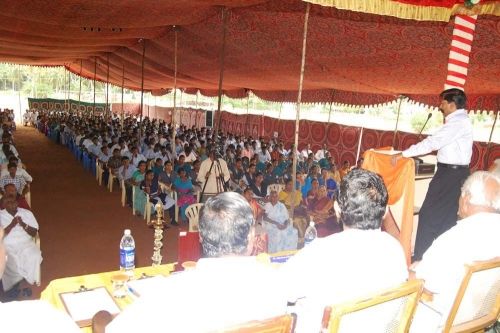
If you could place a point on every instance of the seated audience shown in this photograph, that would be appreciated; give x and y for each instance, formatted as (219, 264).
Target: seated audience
(473, 238)
(354, 263)
(281, 233)
(20, 226)
(222, 288)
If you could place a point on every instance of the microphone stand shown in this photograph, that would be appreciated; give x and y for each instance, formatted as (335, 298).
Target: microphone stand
(422, 129)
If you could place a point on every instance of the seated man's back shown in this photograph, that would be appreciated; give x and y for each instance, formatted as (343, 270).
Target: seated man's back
(473, 238)
(218, 293)
(34, 316)
(227, 288)
(360, 261)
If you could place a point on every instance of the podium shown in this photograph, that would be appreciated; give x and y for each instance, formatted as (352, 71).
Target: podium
(400, 183)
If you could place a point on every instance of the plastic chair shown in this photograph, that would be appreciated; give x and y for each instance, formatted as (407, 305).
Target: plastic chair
(480, 291)
(36, 239)
(193, 213)
(27, 196)
(389, 311)
(168, 190)
(280, 324)
(275, 187)
(111, 180)
(124, 193)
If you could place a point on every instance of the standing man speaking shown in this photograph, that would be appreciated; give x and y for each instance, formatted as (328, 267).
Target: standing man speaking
(453, 142)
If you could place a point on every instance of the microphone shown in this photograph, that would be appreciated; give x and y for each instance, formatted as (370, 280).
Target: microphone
(420, 133)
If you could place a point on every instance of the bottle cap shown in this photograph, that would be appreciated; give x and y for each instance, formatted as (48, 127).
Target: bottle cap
(127, 232)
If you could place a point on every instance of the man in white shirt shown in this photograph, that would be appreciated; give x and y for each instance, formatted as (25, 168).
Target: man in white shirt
(357, 262)
(306, 151)
(226, 288)
(473, 238)
(30, 316)
(213, 175)
(20, 227)
(136, 157)
(320, 154)
(453, 141)
(20, 171)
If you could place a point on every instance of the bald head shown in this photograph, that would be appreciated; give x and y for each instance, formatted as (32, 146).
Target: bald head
(480, 193)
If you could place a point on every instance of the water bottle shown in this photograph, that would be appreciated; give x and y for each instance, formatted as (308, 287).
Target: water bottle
(310, 234)
(127, 253)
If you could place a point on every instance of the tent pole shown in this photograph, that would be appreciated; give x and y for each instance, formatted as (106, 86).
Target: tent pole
(221, 73)
(331, 106)
(107, 87)
(488, 146)
(80, 89)
(19, 93)
(66, 104)
(123, 85)
(172, 140)
(297, 116)
(142, 88)
(397, 121)
(95, 74)
(247, 125)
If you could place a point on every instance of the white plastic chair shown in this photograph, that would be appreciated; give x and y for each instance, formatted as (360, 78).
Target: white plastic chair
(275, 187)
(193, 214)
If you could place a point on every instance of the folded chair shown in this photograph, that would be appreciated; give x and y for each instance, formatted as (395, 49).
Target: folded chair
(389, 311)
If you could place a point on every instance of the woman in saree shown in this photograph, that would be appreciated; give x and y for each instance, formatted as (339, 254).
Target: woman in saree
(322, 213)
(185, 197)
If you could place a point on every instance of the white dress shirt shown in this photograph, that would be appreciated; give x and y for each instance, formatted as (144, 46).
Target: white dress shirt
(218, 293)
(453, 141)
(35, 316)
(474, 238)
(342, 267)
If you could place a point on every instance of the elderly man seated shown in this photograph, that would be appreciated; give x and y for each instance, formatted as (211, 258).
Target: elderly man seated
(473, 238)
(222, 290)
(281, 233)
(42, 316)
(20, 227)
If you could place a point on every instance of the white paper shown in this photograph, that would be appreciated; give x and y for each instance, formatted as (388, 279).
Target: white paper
(84, 305)
(145, 286)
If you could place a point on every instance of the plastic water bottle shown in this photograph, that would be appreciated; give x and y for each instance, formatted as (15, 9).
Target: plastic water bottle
(310, 234)
(127, 253)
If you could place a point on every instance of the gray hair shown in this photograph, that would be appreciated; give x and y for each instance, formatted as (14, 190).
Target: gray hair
(475, 188)
(225, 222)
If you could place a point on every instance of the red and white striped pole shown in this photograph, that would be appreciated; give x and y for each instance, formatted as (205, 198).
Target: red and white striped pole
(461, 45)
